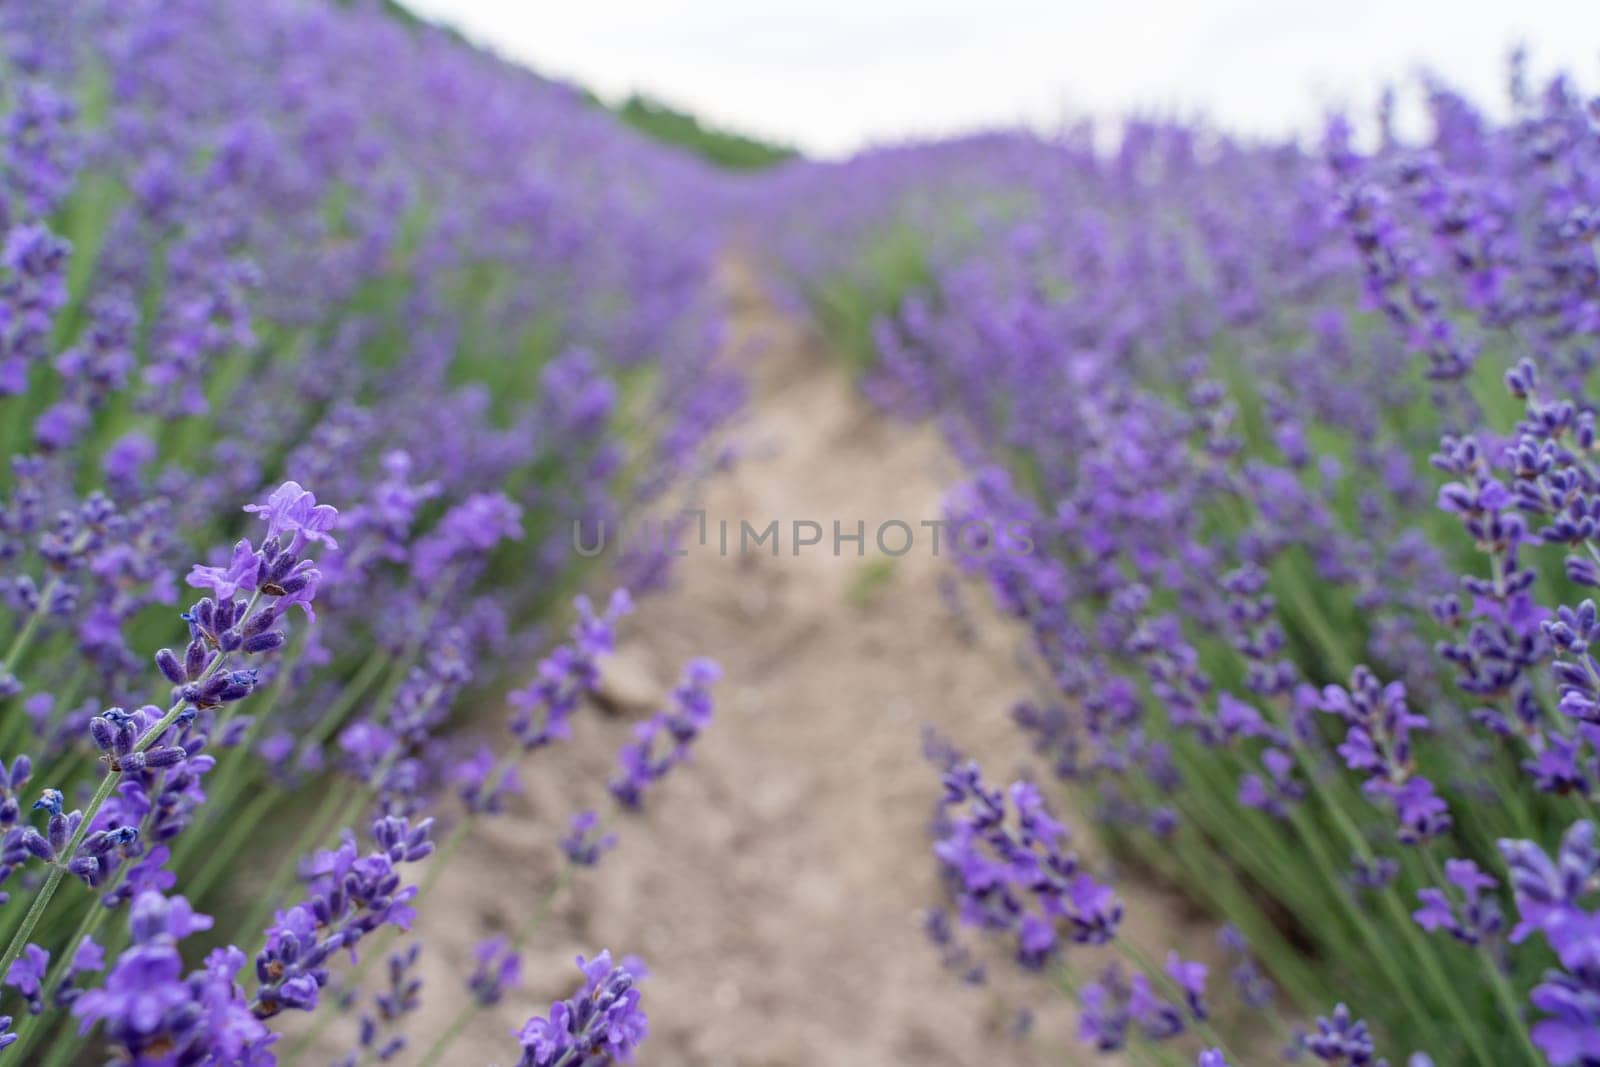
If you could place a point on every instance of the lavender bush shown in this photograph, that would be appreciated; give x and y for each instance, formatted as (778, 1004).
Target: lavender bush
(315, 330)
(1305, 437)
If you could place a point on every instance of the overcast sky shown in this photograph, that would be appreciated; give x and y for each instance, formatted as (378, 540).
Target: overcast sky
(831, 76)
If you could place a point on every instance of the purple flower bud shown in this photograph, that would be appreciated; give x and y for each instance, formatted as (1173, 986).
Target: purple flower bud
(195, 660)
(263, 642)
(169, 665)
(168, 756)
(103, 733)
(35, 843)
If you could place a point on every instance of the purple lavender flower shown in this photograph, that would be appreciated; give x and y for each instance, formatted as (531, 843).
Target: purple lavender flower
(239, 575)
(1254, 989)
(26, 976)
(1157, 1017)
(603, 1023)
(1278, 791)
(1549, 892)
(665, 740)
(89, 958)
(954, 956)
(351, 896)
(379, 1034)
(1569, 1034)
(467, 533)
(148, 1008)
(543, 708)
(1022, 881)
(1190, 977)
(1104, 1016)
(498, 968)
(1341, 1039)
(1378, 741)
(585, 841)
(484, 780)
(1478, 917)
(1378, 744)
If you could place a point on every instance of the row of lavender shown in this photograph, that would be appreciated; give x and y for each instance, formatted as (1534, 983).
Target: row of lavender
(436, 302)
(1305, 438)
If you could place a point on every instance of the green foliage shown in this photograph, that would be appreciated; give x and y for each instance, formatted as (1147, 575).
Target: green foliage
(734, 151)
(848, 306)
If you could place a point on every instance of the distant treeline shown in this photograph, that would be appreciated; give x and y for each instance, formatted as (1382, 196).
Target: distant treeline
(724, 148)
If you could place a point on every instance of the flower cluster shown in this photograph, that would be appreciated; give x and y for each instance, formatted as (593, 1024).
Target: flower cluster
(1007, 862)
(601, 1024)
(664, 740)
(148, 1007)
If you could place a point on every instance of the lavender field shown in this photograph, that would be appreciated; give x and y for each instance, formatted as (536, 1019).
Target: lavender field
(493, 577)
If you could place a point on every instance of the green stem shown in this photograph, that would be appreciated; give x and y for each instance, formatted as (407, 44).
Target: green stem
(450, 1034)
(24, 638)
(1378, 945)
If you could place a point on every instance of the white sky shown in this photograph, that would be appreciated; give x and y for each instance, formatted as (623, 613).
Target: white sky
(831, 76)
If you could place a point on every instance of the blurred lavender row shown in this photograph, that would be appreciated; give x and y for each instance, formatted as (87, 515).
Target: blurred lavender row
(1305, 434)
(302, 307)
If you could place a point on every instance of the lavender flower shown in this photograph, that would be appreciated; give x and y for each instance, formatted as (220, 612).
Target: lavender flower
(1104, 1011)
(26, 976)
(351, 896)
(1570, 997)
(89, 958)
(585, 842)
(1378, 744)
(601, 1024)
(292, 512)
(1190, 978)
(1549, 892)
(379, 1036)
(1341, 1039)
(498, 969)
(1024, 882)
(1478, 917)
(542, 709)
(149, 1008)
(665, 740)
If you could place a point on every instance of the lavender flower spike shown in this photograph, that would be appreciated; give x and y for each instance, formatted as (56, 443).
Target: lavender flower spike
(601, 1024)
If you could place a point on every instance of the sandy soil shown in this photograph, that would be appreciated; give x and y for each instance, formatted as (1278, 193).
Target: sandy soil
(775, 886)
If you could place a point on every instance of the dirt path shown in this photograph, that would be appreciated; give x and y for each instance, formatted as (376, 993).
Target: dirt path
(775, 885)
